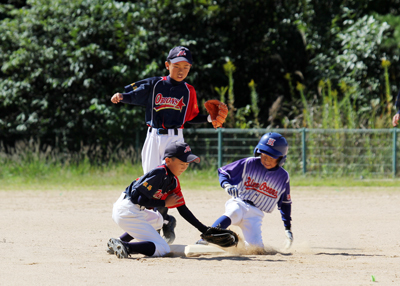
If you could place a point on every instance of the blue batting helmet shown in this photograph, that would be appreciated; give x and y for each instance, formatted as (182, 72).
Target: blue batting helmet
(274, 145)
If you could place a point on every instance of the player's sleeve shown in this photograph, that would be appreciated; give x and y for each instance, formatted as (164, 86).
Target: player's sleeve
(200, 118)
(190, 218)
(177, 191)
(138, 92)
(151, 183)
(286, 210)
(150, 203)
(285, 206)
(231, 173)
(192, 109)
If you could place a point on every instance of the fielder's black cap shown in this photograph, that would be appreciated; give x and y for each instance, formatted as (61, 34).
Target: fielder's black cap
(179, 54)
(182, 151)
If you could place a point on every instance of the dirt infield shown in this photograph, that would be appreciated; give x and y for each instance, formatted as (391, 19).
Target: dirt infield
(342, 237)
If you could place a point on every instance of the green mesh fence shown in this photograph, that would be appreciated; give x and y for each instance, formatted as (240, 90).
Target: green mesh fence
(311, 151)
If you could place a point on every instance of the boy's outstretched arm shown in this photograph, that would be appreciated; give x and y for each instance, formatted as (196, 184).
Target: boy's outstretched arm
(190, 218)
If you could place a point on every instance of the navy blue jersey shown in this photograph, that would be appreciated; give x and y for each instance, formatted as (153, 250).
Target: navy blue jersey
(398, 103)
(151, 189)
(169, 104)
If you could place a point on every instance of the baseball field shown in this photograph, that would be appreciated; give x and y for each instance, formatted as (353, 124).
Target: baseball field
(342, 236)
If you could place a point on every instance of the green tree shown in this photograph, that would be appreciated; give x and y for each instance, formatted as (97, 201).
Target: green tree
(62, 61)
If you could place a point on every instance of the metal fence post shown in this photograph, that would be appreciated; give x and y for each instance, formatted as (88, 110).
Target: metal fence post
(303, 149)
(219, 147)
(394, 152)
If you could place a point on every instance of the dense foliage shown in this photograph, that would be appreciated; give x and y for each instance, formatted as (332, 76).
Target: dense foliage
(62, 60)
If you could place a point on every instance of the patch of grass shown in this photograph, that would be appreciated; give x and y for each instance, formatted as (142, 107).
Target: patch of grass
(42, 175)
(195, 179)
(343, 182)
(38, 175)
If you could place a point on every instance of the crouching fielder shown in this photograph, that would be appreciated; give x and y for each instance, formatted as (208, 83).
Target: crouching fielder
(158, 188)
(257, 184)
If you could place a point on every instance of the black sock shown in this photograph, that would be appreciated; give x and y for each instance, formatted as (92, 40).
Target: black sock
(125, 237)
(144, 247)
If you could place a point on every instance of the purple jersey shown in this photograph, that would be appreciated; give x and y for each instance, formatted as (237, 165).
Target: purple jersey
(264, 188)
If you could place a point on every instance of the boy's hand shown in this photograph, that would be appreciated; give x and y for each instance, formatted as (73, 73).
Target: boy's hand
(395, 120)
(172, 200)
(117, 98)
(231, 190)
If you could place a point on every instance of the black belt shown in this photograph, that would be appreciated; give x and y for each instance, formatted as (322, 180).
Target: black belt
(249, 202)
(162, 131)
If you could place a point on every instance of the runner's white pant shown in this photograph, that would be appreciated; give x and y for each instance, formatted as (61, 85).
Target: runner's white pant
(154, 147)
(248, 218)
(140, 224)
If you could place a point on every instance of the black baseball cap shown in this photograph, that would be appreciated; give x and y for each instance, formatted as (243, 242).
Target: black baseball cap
(182, 151)
(179, 54)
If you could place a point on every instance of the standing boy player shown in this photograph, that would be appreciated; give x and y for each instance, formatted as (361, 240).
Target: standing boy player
(170, 102)
(159, 187)
(257, 184)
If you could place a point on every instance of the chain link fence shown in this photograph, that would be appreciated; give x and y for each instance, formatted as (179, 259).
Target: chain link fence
(318, 152)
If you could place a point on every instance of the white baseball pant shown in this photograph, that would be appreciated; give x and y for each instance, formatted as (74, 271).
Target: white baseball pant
(154, 147)
(142, 225)
(248, 218)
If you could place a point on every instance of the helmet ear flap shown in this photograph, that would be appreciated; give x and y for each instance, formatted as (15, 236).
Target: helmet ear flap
(282, 161)
(256, 153)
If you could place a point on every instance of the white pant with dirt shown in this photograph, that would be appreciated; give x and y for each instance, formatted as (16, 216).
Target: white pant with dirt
(141, 224)
(154, 147)
(248, 218)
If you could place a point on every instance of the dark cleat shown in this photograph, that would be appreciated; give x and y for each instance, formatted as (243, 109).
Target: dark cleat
(169, 230)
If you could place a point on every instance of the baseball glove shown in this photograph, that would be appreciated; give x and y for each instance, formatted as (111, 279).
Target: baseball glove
(217, 110)
(220, 237)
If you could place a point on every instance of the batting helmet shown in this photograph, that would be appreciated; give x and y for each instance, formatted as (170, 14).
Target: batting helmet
(274, 145)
